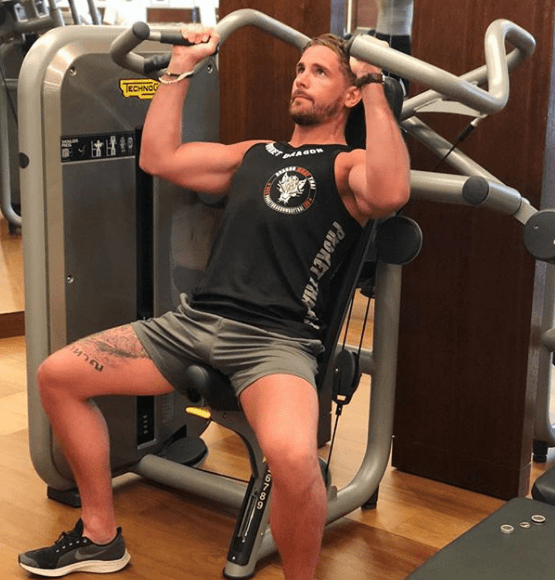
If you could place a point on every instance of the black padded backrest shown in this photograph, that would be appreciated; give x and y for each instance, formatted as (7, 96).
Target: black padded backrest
(342, 291)
(355, 131)
(347, 278)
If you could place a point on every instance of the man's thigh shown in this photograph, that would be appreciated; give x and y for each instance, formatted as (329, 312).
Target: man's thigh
(112, 362)
(283, 412)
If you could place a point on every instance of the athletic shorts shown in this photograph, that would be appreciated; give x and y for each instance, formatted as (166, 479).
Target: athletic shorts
(240, 351)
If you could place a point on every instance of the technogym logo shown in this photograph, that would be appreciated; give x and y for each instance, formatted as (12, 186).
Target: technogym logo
(140, 88)
(291, 190)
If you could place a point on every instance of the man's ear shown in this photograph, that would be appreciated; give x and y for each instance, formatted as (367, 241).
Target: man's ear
(353, 96)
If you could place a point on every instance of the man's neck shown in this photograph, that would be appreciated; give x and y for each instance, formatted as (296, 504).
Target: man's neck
(324, 134)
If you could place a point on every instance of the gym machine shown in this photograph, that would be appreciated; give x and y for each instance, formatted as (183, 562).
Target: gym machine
(101, 249)
(20, 24)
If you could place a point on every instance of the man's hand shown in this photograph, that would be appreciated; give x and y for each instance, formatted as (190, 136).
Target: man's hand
(361, 68)
(204, 44)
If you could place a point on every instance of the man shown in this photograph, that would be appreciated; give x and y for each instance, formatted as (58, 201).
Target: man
(294, 209)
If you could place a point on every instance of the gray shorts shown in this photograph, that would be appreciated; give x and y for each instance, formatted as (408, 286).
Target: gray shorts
(240, 351)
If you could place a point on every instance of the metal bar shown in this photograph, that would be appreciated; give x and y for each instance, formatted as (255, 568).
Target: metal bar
(440, 147)
(208, 485)
(6, 183)
(486, 102)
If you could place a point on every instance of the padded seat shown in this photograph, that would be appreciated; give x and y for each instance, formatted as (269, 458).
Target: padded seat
(212, 386)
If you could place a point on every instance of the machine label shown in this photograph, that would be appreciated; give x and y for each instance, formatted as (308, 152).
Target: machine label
(91, 147)
(140, 88)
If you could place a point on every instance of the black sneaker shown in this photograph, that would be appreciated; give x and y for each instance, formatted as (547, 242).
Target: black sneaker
(74, 552)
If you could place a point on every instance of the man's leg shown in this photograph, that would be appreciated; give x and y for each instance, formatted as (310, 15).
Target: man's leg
(67, 380)
(283, 412)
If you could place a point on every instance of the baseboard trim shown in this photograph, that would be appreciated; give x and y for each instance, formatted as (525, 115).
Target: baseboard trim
(12, 324)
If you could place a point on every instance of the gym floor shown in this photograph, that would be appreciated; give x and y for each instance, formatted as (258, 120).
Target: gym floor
(171, 535)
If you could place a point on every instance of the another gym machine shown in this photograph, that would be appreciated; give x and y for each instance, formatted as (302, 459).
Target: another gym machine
(101, 249)
(21, 23)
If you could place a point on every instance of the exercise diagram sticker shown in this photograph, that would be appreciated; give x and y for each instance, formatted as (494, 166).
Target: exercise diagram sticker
(291, 190)
(142, 89)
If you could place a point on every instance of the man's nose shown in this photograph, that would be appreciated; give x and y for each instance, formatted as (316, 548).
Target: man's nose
(301, 79)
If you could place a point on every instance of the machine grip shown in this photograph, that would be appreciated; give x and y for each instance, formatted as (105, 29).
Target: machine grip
(173, 37)
(121, 49)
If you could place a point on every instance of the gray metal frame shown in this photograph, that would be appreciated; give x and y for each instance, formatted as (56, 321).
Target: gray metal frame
(12, 31)
(380, 363)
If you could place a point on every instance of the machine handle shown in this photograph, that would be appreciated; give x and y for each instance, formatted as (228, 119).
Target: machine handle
(474, 191)
(122, 48)
(443, 83)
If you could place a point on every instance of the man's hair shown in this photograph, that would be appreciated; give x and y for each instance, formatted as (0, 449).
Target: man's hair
(338, 45)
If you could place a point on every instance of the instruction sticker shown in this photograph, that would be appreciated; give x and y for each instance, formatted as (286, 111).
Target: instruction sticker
(139, 88)
(105, 146)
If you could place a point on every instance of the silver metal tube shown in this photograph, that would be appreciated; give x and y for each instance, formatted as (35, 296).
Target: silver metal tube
(438, 187)
(94, 13)
(382, 400)
(249, 17)
(74, 13)
(35, 25)
(122, 47)
(502, 198)
(477, 76)
(486, 102)
(447, 188)
(440, 147)
(207, 485)
(55, 14)
(6, 183)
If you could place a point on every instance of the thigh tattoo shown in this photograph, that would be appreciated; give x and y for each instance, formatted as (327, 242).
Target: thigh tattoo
(108, 347)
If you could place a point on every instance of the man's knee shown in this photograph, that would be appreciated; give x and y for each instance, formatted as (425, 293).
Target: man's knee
(52, 377)
(292, 464)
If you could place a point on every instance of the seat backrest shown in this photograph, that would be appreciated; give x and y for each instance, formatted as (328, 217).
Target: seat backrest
(342, 291)
(347, 278)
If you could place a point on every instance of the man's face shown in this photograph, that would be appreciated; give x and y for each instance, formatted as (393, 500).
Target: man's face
(319, 87)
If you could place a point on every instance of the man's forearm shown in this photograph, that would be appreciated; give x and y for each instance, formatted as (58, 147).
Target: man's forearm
(387, 159)
(162, 130)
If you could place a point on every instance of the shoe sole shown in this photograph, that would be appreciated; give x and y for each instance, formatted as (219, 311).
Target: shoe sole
(97, 566)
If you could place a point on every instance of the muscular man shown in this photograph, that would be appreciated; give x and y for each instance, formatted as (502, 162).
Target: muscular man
(256, 314)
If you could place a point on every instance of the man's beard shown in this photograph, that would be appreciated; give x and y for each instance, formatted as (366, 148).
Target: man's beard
(315, 115)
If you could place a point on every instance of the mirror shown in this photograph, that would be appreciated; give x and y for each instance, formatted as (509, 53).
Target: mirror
(389, 18)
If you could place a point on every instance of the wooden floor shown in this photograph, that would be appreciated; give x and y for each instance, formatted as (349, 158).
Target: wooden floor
(11, 272)
(173, 536)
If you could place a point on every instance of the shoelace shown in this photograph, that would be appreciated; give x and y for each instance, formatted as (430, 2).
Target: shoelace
(67, 539)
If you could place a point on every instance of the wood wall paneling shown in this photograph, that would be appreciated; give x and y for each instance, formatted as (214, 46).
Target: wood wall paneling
(464, 412)
(256, 69)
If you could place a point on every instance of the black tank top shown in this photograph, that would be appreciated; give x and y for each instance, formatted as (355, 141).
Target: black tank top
(284, 233)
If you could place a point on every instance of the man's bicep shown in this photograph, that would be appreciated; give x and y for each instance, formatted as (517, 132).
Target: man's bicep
(204, 167)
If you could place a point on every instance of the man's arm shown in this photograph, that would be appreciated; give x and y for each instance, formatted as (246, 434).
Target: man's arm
(379, 178)
(202, 167)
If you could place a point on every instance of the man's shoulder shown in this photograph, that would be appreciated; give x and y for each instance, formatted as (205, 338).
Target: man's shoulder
(352, 157)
